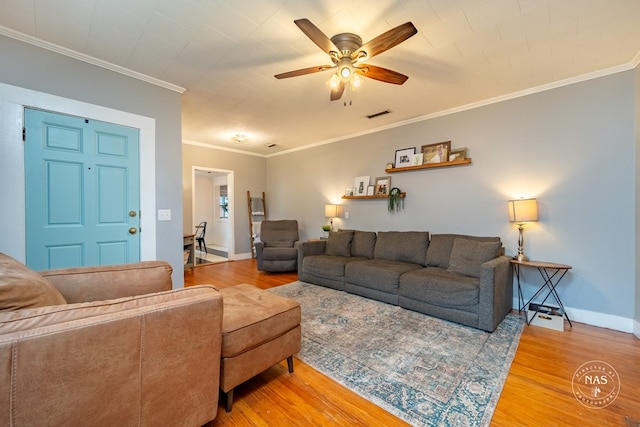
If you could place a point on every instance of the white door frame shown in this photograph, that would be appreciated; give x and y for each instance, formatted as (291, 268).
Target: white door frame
(13, 100)
(230, 191)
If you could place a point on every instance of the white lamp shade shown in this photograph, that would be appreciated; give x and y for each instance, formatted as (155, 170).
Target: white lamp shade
(523, 210)
(330, 211)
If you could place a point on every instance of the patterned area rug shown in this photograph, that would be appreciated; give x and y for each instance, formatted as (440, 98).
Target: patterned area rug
(426, 371)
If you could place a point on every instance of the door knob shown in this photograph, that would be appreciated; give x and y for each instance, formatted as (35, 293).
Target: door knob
(132, 213)
(133, 230)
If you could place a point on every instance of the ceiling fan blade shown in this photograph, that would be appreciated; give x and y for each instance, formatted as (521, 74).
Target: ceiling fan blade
(381, 74)
(336, 92)
(303, 71)
(316, 35)
(385, 41)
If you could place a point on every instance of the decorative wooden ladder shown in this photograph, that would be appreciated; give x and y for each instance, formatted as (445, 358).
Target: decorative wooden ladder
(257, 213)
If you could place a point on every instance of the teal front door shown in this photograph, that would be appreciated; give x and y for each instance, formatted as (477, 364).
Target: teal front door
(82, 192)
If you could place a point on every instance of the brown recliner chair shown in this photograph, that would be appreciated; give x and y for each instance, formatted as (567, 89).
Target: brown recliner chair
(107, 346)
(277, 249)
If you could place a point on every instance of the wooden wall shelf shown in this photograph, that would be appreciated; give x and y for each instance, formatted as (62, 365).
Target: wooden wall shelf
(378, 196)
(430, 166)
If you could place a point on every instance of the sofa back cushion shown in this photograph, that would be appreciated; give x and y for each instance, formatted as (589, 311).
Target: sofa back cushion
(280, 233)
(21, 287)
(363, 243)
(440, 246)
(339, 243)
(101, 282)
(405, 246)
(468, 255)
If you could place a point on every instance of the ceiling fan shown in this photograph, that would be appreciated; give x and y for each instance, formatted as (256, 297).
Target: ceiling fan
(347, 51)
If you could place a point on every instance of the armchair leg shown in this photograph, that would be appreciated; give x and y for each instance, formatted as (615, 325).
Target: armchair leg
(290, 364)
(228, 400)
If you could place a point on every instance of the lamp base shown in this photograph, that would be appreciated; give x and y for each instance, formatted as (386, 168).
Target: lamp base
(520, 257)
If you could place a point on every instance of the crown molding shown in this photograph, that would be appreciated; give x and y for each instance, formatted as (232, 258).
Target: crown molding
(88, 59)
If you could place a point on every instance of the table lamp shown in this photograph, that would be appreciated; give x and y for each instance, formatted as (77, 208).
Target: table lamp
(330, 211)
(520, 212)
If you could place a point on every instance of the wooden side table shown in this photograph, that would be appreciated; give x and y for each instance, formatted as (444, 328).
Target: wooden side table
(188, 242)
(551, 274)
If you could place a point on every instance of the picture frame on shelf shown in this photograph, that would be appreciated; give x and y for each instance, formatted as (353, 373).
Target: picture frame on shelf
(370, 190)
(382, 185)
(361, 183)
(436, 153)
(349, 192)
(404, 157)
(418, 159)
(458, 154)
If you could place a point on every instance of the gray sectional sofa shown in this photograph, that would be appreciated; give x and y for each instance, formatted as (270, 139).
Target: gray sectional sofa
(464, 279)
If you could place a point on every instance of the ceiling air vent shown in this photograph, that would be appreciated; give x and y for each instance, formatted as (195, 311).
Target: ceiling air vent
(271, 145)
(381, 113)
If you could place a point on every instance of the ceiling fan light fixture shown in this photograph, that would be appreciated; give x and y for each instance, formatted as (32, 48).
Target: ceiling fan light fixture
(334, 81)
(356, 81)
(346, 72)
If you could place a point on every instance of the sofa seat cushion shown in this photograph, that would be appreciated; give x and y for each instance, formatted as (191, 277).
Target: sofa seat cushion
(404, 246)
(380, 274)
(279, 253)
(440, 287)
(327, 266)
(252, 317)
(21, 287)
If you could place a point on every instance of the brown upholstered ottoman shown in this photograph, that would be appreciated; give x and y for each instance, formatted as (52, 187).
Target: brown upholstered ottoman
(259, 330)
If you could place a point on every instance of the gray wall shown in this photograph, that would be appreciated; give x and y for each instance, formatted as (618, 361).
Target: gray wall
(249, 175)
(573, 148)
(637, 198)
(33, 68)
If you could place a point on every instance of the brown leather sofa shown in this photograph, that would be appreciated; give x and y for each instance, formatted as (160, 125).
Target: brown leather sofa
(107, 346)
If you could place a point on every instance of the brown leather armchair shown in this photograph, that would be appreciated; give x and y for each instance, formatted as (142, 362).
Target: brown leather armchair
(119, 347)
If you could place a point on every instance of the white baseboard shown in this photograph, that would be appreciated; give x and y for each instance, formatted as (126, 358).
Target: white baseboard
(241, 256)
(602, 320)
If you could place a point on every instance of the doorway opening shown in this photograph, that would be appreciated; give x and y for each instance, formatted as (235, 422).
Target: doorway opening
(213, 204)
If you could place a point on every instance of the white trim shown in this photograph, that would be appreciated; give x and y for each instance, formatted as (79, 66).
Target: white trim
(243, 256)
(525, 92)
(230, 190)
(217, 147)
(87, 58)
(13, 100)
(636, 328)
(483, 103)
(602, 320)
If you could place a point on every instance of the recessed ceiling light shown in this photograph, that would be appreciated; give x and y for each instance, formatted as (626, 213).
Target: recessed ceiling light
(239, 138)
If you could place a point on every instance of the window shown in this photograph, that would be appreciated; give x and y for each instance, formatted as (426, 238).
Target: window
(223, 202)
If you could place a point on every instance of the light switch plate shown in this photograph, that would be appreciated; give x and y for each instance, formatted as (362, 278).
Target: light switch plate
(164, 214)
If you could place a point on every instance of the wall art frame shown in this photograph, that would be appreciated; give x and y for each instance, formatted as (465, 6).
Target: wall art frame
(404, 157)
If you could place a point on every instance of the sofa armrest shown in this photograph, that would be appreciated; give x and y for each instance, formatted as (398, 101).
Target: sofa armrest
(314, 247)
(82, 284)
(161, 352)
(496, 292)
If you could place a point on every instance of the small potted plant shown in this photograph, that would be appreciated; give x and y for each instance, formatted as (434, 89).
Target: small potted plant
(395, 202)
(326, 229)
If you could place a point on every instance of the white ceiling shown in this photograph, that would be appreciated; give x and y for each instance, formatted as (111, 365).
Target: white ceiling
(226, 52)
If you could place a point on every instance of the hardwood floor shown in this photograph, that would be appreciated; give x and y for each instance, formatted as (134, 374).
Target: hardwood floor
(537, 392)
